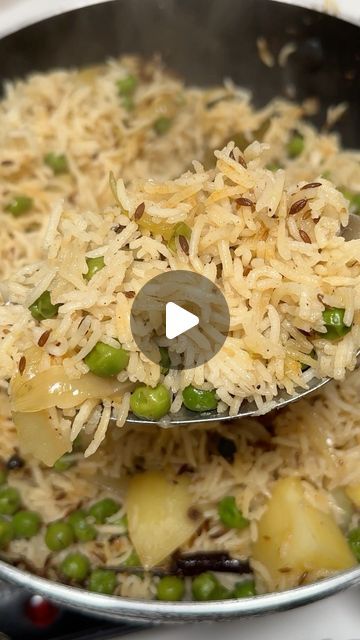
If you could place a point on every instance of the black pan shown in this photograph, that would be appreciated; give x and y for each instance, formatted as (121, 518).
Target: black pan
(204, 41)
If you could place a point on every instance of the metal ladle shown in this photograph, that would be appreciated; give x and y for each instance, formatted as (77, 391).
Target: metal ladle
(248, 409)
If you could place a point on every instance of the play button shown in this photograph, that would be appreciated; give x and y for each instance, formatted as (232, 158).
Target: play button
(178, 320)
(182, 314)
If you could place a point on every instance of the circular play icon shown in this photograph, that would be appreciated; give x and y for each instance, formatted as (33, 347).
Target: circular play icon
(179, 319)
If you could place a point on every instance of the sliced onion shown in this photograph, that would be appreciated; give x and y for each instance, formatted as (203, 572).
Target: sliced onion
(53, 388)
(40, 437)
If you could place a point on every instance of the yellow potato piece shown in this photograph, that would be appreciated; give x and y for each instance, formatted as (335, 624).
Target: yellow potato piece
(157, 510)
(353, 492)
(39, 437)
(294, 537)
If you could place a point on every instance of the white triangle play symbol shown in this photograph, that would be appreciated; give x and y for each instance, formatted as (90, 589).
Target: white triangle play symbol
(178, 320)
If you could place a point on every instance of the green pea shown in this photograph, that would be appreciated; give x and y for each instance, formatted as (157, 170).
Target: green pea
(165, 361)
(150, 402)
(245, 589)
(295, 146)
(354, 542)
(305, 367)
(126, 86)
(76, 516)
(162, 125)
(75, 567)
(181, 229)
(132, 560)
(19, 205)
(63, 464)
(78, 444)
(203, 586)
(170, 589)
(241, 142)
(43, 308)
(94, 265)
(128, 103)
(354, 200)
(126, 89)
(274, 166)
(355, 204)
(260, 133)
(59, 536)
(103, 581)
(6, 532)
(3, 475)
(199, 399)
(83, 530)
(26, 524)
(326, 174)
(9, 501)
(57, 162)
(334, 323)
(221, 593)
(122, 522)
(106, 361)
(103, 509)
(230, 515)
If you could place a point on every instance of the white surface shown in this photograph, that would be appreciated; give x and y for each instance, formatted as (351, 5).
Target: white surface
(178, 320)
(337, 618)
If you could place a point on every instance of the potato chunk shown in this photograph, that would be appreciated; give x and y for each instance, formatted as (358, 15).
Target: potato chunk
(353, 492)
(39, 437)
(295, 538)
(157, 509)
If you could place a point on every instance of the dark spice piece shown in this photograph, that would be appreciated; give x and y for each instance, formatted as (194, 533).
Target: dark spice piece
(227, 448)
(242, 161)
(118, 228)
(129, 294)
(304, 236)
(244, 202)
(311, 185)
(139, 211)
(22, 365)
(185, 468)
(15, 462)
(194, 513)
(320, 297)
(44, 338)
(192, 564)
(184, 245)
(297, 206)
(303, 577)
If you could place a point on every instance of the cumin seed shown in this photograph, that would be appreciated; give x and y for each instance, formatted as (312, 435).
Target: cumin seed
(304, 236)
(44, 338)
(22, 365)
(297, 206)
(139, 211)
(311, 185)
(184, 244)
(118, 228)
(244, 202)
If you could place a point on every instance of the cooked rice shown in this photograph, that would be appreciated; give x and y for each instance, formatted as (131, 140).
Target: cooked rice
(281, 260)
(316, 439)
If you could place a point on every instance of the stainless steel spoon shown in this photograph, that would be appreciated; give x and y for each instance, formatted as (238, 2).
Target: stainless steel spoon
(248, 409)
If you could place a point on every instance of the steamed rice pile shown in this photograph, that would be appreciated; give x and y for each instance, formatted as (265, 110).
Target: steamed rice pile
(317, 440)
(274, 251)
